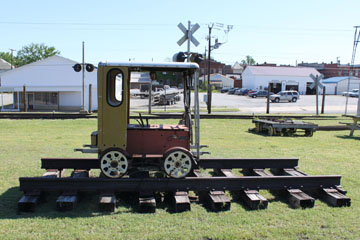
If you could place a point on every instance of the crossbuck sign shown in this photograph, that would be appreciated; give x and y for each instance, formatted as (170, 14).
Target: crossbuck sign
(188, 34)
(316, 82)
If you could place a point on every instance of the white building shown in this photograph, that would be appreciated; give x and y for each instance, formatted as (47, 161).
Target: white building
(280, 78)
(337, 85)
(218, 80)
(51, 84)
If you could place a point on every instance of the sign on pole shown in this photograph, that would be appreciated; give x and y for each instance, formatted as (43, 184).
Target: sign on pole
(317, 84)
(188, 35)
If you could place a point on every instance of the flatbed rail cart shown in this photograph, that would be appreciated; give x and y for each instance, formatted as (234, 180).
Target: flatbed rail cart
(287, 127)
(151, 159)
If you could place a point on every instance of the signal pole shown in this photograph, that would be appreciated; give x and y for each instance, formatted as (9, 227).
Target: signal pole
(356, 41)
(83, 78)
(209, 85)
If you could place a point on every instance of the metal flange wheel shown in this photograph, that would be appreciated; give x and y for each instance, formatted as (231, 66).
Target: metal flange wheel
(114, 164)
(308, 133)
(178, 163)
(270, 131)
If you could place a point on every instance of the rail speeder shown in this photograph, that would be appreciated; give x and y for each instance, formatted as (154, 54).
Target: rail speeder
(123, 147)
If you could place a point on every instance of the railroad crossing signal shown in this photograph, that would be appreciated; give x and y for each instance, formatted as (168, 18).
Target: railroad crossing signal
(316, 82)
(188, 34)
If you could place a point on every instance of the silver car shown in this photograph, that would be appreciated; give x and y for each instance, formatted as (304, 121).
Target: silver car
(289, 96)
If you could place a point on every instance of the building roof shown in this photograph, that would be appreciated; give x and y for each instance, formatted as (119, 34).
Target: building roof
(282, 71)
(50, 74)
(215, 77)
(40, 63)
(4, 65)
(237, 66)
(338, 79)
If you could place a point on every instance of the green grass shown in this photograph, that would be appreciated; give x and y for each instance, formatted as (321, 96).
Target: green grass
(24, 142)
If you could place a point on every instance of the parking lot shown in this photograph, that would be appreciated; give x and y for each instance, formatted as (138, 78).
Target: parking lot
(334, 104)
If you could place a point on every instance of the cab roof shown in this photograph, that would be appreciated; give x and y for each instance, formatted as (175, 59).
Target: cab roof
(144, 66)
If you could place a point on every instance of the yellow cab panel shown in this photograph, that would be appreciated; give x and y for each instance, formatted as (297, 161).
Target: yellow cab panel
(113, 84)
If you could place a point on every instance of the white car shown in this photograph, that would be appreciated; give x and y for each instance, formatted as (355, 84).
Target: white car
(352, 93)
(288, 96)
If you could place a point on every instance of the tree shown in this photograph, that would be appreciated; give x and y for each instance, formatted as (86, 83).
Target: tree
(34, 52)
(5, 56)
(249, 60)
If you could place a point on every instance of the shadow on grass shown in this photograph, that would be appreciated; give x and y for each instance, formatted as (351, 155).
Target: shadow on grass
(348, 137)
(87, 206)
(264, 134)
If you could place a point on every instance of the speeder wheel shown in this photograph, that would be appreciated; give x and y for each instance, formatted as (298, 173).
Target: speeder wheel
(178, 164)
(114, 164)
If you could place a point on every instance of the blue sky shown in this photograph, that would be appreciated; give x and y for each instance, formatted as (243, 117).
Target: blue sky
(281, 32)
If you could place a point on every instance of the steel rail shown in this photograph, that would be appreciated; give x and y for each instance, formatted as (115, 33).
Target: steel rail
(170, 184)
(93, 163)
(34, 115)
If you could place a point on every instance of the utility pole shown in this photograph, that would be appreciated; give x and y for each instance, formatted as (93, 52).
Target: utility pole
(12, 53)
(356, 41)
(217, 44)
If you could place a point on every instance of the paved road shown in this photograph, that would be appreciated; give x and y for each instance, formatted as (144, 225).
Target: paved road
(306, 104)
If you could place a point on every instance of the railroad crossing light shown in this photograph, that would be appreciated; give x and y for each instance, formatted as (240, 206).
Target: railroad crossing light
(89, 67)
(179, 57)
(77, 67)
(153, 76)
(196, 57)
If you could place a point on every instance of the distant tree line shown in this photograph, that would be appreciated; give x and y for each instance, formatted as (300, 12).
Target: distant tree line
(249, 60)
(29, 53)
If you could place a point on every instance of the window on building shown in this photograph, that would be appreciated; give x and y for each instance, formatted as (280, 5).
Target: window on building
(46, 98)
(346, 72)
(357, 72)
(339, 72)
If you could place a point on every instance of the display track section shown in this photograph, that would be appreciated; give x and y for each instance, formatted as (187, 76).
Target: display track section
(215, 182)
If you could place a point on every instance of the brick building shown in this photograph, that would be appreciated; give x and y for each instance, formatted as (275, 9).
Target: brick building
(215, 66)
(333, 69)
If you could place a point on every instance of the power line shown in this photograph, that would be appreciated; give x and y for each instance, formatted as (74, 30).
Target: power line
(240, 27)
(87, 24)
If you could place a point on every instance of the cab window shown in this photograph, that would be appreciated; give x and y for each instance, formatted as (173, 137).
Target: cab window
(115, 87)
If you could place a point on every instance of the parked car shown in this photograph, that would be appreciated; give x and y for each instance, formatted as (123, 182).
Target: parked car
(232, 91)
(242, 91)
(225, 90)
(251, 91)
(354, 93)
(262, 93)
(290, 96)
